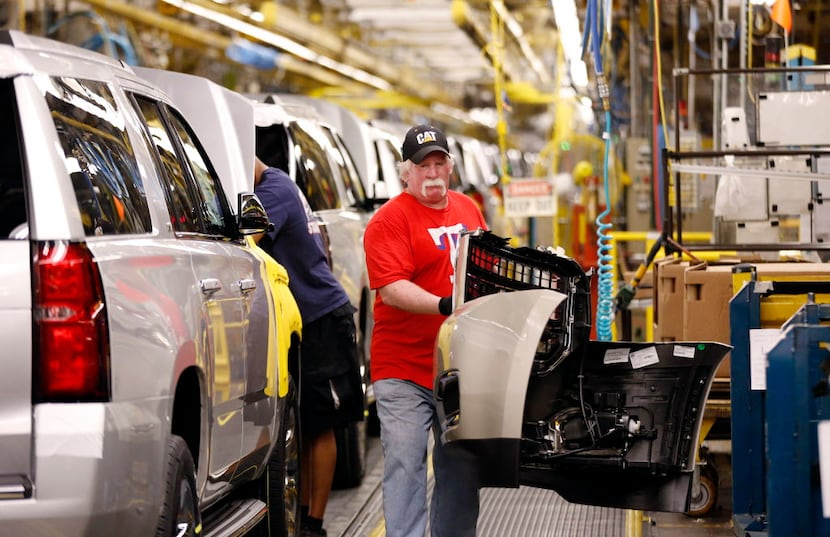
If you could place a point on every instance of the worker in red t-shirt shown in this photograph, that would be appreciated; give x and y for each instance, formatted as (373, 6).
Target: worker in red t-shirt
(411, 246)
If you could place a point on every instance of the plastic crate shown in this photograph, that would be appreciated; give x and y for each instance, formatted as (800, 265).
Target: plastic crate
(491, 266)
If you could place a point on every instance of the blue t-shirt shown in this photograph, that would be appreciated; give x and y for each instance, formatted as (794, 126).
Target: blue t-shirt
(297, 244)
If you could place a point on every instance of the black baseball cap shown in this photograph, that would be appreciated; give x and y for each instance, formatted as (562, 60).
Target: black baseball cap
(421, 140)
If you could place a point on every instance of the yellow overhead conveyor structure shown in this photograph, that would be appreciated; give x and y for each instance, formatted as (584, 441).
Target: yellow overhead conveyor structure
(327, 69)
(339, 59)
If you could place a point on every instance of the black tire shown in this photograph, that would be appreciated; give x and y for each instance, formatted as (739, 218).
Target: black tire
(279, 486)
(180, 516)
(707, 496)
(351, 455)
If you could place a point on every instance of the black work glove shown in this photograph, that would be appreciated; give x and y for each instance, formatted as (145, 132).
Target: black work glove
(445, 305)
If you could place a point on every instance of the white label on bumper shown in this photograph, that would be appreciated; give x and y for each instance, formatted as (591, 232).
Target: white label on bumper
(644, 357)
(615, 356)
(684, 351)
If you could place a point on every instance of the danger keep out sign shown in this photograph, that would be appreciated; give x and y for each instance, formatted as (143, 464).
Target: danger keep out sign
(529, 197)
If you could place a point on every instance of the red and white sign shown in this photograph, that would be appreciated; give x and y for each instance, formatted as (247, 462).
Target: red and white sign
(529, 197)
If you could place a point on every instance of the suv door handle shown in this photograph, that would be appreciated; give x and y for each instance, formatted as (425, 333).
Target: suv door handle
(210, 286)
(246, 286)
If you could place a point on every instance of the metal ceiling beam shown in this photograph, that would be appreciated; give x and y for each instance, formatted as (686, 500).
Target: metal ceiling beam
(211, 40)
(326, 42)
(412, 92)
(519, 53)
(406, 81)
(168, 24)
(479, 31)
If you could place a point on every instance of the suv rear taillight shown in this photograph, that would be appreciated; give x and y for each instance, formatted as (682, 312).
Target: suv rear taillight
(71, 337)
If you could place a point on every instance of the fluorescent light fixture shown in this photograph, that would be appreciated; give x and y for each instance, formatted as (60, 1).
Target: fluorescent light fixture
(567, 22)
(281, 42)
(509, 20)
(579, 73)
(299, 51)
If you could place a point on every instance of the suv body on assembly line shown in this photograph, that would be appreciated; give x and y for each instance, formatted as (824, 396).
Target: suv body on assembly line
(145, 386)
(374, 150)
(292, 136)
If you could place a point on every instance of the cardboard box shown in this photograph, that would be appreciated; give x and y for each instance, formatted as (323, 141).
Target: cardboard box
(708, 289)
(707, 292)
(691, 301)
(669, 277)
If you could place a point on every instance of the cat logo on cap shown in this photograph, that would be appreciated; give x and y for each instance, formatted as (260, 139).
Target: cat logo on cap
(425, 137)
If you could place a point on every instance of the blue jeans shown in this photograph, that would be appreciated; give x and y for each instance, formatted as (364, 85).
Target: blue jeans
(407, 413)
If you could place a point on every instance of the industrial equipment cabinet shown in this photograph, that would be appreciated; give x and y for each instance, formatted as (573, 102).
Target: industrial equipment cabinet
(775, 489)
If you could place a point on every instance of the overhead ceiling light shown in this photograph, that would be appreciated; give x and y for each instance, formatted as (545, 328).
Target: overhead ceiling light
(281, 42)
(301, 52)
(567, 23)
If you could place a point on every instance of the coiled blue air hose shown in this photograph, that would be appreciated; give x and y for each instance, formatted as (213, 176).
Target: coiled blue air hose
(594, 18)
(605, 266)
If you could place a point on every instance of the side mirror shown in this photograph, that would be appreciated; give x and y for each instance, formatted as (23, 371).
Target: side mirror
(252, 216)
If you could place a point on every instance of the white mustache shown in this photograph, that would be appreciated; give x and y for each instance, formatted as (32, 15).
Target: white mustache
(428, 183)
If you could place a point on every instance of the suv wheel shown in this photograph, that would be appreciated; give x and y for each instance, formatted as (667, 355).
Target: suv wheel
(280, 483)
(180, 512)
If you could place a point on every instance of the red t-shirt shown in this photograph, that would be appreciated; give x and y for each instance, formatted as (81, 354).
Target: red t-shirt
(406, 240)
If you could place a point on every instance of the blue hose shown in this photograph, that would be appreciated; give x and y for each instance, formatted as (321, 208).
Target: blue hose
(605, 268)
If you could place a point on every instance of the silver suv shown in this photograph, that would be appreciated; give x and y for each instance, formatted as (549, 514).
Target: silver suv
(292, 136)
(145, 385)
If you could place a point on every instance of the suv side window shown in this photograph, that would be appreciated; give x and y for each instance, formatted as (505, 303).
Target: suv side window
(195, 204)
(348, 170)
(213, 208)
(98, 156)
(12, 195)
(315, 175)
(180, 199)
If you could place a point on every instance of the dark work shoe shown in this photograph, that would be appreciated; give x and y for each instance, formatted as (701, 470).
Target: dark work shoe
(308, 532)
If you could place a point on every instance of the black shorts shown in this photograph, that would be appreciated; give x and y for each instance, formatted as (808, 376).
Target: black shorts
(331, 390)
